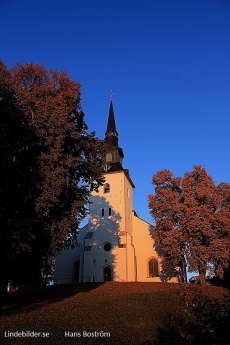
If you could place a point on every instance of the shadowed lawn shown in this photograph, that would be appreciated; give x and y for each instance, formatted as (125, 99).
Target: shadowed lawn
(130, 312)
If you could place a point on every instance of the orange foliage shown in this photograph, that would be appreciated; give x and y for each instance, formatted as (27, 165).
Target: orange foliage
(192, 220)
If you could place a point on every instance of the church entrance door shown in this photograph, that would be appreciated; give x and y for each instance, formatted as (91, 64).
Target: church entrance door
(107, 274)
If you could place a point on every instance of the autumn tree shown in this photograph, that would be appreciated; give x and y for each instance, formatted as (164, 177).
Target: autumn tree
(49, 167)
(192, 217)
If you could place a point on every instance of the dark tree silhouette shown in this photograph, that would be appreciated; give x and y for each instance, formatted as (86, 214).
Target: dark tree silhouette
(49, 166)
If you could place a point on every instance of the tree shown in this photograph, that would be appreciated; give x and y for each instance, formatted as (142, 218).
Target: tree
(49, 167)
(192, 221)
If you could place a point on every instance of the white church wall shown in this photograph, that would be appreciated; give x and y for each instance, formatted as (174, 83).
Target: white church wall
(64, 266)
(104, 224)
(121, 266)
(64, 262)
(127, 204)
(144, 248)
(130, 259)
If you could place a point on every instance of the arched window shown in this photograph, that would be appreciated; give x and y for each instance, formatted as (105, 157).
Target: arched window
(108, 157)
(153, 268)
(106, 188)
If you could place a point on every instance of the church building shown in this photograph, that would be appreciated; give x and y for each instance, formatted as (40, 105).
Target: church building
(115, 245)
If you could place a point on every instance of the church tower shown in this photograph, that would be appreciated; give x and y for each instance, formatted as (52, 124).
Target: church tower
(110, 218)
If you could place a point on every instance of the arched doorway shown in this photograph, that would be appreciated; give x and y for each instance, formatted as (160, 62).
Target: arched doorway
(107, 274)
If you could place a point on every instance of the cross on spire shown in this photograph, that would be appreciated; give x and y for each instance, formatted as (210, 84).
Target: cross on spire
(111, 95)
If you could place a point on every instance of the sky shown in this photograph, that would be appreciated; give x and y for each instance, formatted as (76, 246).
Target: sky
(166, 61)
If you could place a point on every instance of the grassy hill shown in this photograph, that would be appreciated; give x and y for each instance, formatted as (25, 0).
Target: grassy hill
(129, 312)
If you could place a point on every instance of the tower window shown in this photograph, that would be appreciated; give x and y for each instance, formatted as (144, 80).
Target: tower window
(110, 211)
(153, 268)
(106, 188)
(103, 212)
(108, 157)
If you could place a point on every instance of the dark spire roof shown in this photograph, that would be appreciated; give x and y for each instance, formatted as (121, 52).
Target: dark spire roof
(111, 125)
(111, 135)
(114, 153)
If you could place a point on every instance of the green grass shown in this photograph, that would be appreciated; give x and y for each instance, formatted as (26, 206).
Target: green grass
(130, 312)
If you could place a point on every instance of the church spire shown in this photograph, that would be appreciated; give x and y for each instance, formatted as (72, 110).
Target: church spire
(114, 153)
(111, 135)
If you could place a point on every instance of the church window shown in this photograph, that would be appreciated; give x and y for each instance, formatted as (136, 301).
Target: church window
(108, 157)
(88, 235)
(153, 268)
(87, 248)
(106, 188)
(107, 247)
(110, 211)
(103, 212)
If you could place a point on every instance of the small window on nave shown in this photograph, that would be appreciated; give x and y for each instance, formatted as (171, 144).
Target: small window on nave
(153, 268)
(106, 188)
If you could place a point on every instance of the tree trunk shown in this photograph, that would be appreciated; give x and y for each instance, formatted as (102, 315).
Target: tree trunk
(202, 280)
(3, 291)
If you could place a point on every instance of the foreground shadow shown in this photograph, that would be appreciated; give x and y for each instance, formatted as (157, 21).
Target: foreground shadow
(26, 300)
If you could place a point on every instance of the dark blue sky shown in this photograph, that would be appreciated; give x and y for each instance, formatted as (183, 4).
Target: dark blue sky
(167, 62)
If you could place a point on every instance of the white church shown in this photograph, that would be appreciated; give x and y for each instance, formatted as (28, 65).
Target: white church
(115, 245)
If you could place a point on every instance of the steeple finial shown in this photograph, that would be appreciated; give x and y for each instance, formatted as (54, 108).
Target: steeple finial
(111, 95)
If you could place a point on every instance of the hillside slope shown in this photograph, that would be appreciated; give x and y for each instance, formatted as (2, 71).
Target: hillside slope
(120, 313)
